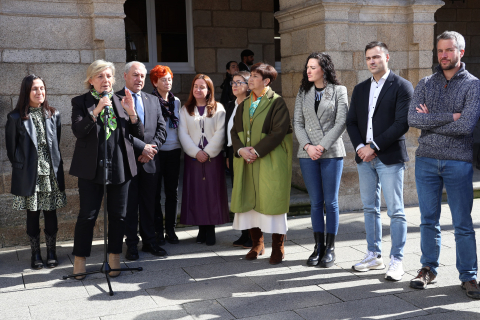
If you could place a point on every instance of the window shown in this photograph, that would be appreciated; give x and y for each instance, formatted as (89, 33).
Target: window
(160, 32)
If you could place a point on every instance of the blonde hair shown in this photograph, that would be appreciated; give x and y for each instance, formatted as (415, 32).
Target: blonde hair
(95, 68)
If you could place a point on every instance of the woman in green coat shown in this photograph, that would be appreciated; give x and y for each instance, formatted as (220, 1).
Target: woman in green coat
(262, 144)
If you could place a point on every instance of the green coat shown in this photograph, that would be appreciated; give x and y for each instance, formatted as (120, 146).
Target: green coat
(264, 185)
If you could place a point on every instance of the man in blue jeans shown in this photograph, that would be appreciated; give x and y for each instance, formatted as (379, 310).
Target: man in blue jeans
(376, 124)
(446, 107)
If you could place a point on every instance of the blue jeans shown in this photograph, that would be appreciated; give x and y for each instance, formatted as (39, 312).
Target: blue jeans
(322, 179)
(430, 176)
(374, 175)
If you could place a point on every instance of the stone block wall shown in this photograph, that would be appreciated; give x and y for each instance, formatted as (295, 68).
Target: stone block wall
(56, 40)
(342, 28)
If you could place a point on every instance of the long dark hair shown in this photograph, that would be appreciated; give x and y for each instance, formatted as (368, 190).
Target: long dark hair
(325, 62)
(23, 103)
(211, 103)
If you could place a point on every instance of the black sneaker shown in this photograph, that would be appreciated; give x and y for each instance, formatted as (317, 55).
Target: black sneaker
(154, 249)
(132, 253)
(472, 289)
(424, 277)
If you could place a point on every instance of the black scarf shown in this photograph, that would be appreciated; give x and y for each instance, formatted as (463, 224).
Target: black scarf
(170, 112)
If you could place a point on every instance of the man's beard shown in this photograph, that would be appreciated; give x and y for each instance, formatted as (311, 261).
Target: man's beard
(449, 66)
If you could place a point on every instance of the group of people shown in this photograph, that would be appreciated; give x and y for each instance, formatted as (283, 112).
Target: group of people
(251, 133)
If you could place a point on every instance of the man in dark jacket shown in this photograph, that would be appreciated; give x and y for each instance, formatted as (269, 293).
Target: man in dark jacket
(247, 58)
(376, 124)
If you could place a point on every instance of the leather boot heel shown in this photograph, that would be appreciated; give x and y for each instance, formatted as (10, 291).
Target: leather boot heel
(278, 251)
(318, 250)
(258, 247)
(329, 256)
(79, 267)
(36, 260)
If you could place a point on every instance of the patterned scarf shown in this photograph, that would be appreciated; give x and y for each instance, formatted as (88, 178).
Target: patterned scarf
(255, 101)
(112, 120)
(170, 112)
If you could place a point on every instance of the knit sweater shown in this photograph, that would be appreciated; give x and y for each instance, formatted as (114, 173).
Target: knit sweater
(441, 137)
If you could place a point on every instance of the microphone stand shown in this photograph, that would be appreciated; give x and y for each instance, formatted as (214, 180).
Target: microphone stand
(105, 268)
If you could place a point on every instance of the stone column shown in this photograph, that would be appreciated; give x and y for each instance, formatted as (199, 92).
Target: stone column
(342, 28)
(56, 40)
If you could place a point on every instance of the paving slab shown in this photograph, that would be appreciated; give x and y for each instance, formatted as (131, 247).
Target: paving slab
(165, 313)
(286, 315)
(209, 309)
(11, 282)
(470, 314)
(22, 313)
(387, 307)
(203, 290)
(276, 301)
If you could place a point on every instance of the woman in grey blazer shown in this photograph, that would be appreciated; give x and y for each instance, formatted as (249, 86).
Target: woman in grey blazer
(319, 120)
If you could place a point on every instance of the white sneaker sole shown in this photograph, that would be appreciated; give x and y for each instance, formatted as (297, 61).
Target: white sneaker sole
(379, 267)
(390, 278)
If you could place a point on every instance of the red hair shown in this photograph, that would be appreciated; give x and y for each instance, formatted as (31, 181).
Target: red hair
(159, 72)
(211, 103)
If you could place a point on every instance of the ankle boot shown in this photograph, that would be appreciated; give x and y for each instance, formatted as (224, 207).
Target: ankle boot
(36, 261)
(210, 235)
(318, 250)
(79, 267)
(258, 247)
(248, 243)
(243, 238)
(202, 236)
(278, 252)
(114, 262)
(51, 240)
(329, 256)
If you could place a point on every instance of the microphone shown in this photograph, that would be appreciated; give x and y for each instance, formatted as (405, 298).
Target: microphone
(104, 94)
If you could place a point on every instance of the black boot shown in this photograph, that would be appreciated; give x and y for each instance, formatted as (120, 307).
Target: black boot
(243, 238)
(329, 256)
(202, 235)
(171, 236)
(319, 249)
(51, 241)
(37, 262)
(248, 244)
(210, 235)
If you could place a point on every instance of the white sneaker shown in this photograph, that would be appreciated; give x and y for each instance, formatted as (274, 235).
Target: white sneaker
(371, 261)
(395, 270)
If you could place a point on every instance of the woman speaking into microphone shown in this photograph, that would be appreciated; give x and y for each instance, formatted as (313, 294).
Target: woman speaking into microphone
(88, 160)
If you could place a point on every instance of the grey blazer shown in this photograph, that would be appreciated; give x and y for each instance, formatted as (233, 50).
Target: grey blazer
(325, 127)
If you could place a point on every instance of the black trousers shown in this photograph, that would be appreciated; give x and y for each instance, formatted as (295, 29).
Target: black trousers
(33, 222)
(169, 172)
(141, 207)
(91, 196)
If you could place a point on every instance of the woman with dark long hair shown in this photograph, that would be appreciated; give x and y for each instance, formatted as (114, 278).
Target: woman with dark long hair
(319, 120)
(201, 132)
(32, 135)
(227, 92)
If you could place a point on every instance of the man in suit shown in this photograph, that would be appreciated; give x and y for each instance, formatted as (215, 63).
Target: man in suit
(247, 58)
(376, 124)
(141, 193)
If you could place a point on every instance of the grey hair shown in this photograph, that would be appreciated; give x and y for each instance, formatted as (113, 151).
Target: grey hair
(453, 35)
(129, 65)
(95, 68)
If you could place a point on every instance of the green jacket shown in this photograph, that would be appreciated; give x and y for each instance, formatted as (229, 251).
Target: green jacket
(265, 184)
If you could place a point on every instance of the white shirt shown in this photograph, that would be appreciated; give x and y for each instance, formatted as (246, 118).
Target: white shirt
(230, 125)
(375, 89)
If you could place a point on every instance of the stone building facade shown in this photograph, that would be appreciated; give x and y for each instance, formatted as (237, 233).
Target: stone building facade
(58, 39)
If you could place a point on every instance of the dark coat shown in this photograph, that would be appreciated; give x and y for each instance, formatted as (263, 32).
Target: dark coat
(21, 142)
(227, 92)
(154, 126)
(243, 67)
(85, 129)
(389, 118)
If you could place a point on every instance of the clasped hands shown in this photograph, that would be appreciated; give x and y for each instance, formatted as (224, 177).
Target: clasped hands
(202, 156)
(148, 153)
(314, 152)
(366, 153)
(248, 154)
(423, 109)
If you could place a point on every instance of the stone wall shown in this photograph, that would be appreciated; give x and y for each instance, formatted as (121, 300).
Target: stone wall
(342, 28)
(57, 40)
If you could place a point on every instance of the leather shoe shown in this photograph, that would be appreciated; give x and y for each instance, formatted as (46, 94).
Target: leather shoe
(171, 237)
(132, 253)
(154, 249)
(160, 239)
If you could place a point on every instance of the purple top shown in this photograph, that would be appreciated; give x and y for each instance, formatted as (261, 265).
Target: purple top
(201, 111)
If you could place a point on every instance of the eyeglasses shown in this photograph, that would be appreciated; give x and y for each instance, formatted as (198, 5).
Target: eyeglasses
(237, 83)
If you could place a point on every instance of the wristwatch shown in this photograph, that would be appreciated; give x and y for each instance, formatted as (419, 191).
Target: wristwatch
(373, 147)
(93, 116)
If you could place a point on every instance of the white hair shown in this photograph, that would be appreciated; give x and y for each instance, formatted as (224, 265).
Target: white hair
(95, 68)
(453, 35)
(129, 65)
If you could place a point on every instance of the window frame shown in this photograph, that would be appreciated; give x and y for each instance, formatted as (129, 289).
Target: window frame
(176, 67)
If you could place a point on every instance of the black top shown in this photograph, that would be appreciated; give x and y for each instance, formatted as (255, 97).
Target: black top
(115, 156)
(318, 97)
(227, 93)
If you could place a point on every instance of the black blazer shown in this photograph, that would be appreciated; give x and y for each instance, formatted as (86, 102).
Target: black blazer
(243, 67)
(85, 158)
(389, 118)
(154, 126)
(21, 141)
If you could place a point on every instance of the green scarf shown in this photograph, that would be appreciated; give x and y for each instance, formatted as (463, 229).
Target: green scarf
(112, 120)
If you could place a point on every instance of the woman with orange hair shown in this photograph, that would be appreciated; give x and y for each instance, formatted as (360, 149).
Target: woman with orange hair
(168, 157)
(201, 132)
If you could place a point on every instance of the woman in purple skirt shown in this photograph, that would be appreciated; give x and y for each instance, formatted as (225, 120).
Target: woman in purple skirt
(201, 133)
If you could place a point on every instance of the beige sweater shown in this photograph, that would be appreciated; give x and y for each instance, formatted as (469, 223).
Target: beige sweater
(190, 132)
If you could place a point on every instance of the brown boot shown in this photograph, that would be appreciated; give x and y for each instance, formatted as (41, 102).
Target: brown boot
(278, 252)
(79, 266)
(114, 262)
(258, 247)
